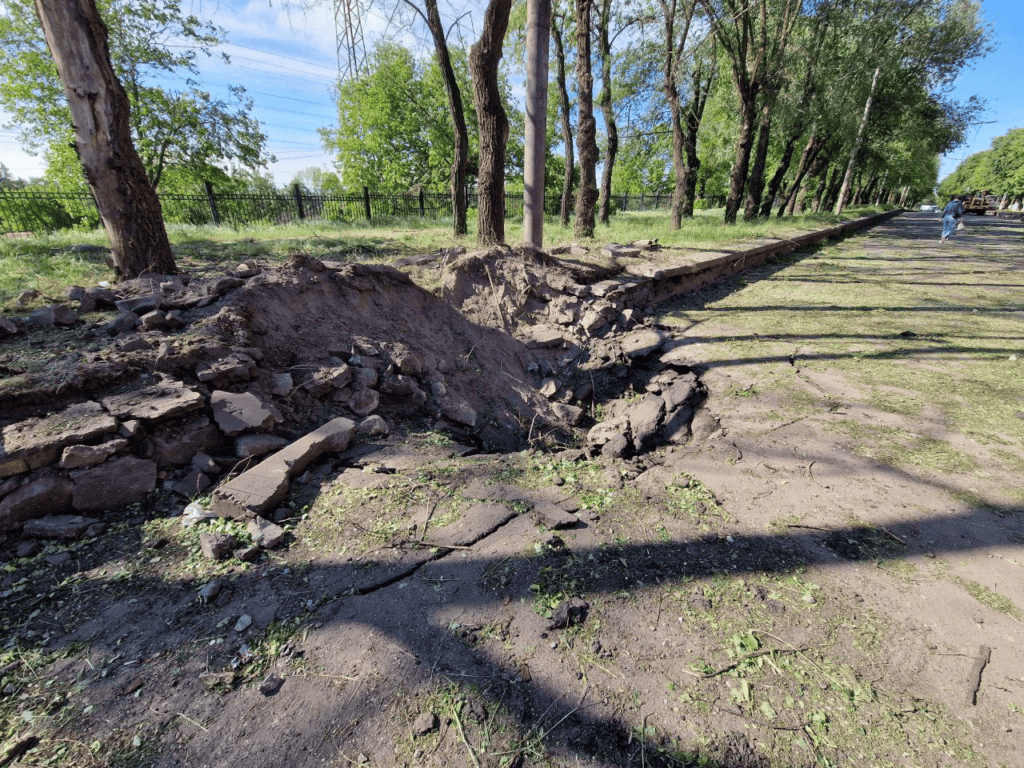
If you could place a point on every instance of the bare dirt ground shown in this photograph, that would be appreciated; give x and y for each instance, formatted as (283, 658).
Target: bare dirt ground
(827, 573)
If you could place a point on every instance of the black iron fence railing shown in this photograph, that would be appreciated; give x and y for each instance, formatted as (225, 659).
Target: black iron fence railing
(38, 210)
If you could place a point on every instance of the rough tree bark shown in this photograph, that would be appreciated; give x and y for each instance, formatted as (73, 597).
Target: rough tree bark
(755, 184)
(484, 56)
(604, 99)
(565, 110)
(128, 205)
(538, 26)
(703, 77)
(673, 51)
(807, 157)
(586, 132)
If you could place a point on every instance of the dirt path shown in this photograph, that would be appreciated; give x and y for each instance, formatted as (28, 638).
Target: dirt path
(828, 574)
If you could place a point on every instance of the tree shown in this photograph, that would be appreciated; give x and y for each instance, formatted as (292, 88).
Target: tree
(754, 34)
(187, 128)
(484, 57)
(586, 132)
(456, 111)
(394, 129)
(128, 204)
(559, 29)
(537, 33)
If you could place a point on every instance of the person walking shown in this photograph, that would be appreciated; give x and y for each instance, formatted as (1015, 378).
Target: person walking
(951, 216)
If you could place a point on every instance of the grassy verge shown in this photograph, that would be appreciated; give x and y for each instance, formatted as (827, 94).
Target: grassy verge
(44, 263)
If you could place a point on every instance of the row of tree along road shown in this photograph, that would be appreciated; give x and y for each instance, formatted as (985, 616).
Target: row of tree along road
(766, 103)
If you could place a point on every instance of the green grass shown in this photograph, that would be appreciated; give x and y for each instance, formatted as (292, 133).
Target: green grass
(43, 262)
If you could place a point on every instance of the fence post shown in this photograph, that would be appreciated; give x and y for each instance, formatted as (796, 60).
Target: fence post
(298, 200)
(366, 202)
(423, 208)
(213, 203)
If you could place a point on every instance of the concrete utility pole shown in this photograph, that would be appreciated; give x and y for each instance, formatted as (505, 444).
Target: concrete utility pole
(538, 31)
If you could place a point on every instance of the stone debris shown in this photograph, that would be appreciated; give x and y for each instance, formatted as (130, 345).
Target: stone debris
(34, 443)
(243, 623)
(44, 496)
(265, 534)
(59, 527)
(216, 546)
(251, 446)
(569, 613)
(241, 412)
(426, 722)
(112, 484)
(263, 487)
(154, 403)
(271, 684)
(77, 456)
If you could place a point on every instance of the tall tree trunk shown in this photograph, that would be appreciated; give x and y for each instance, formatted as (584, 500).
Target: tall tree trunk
(775, 185)
(457, 114)
(861, 130)
(811, 161)
(128, 205)
(604, 99)
(670, 87)
(484, 56)
(586, 133)
(834, 188)
(538, 27)
(565, 110)
(741, 163)
(822, 191)
(701, 89)
(755, 183)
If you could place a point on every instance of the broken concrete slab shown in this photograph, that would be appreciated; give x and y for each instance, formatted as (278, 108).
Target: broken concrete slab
(40, 497)
(641, 343)
(475, 523)
(264, 533)
(159, 401)
(616, 251)
(178, 443)
(554, 518)
(543, 337)
(257, 490)
(34, 443)
(645, 420)
(77, 456)
(242, 411)
(59, 526)
(192, 484)
(115, 483)
(364, 402)
(217, 545)
(250, 446)
(227, 370)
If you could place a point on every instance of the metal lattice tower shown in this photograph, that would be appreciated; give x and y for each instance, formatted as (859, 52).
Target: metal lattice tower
(348, 26)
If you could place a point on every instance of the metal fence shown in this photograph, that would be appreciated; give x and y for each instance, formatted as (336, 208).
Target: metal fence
(35, 210)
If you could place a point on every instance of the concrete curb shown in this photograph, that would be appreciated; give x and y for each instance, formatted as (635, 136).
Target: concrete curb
(647, 284)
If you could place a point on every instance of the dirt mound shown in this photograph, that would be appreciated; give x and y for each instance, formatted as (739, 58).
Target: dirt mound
(301, 317)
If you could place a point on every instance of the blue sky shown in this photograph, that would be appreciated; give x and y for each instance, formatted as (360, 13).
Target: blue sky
(286, 58)
(996, 78)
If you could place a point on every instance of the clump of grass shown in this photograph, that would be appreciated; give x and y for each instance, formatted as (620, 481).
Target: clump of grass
(990, 599)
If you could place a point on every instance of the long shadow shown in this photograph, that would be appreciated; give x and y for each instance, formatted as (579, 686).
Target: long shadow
(350, 593)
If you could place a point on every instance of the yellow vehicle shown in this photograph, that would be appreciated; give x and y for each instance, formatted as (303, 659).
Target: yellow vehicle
(980, 203)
